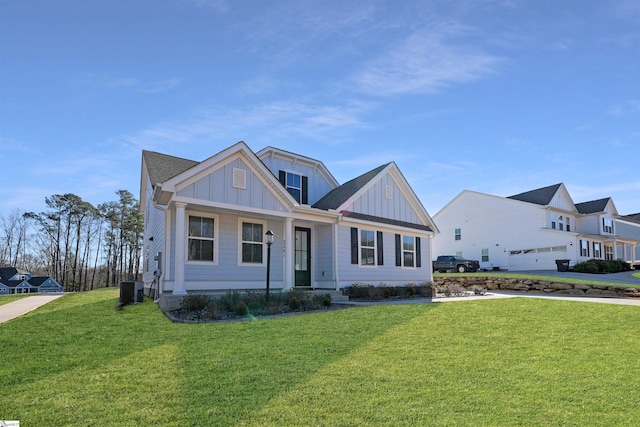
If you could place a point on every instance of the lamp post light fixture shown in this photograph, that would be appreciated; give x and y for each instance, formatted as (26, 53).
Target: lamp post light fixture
(269, 240)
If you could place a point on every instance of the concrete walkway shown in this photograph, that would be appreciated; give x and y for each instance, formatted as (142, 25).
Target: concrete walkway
(25, 305)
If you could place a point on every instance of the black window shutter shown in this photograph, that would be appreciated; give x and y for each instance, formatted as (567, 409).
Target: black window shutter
(282, 176)
(305, 190)
(380, 253)
(398, 251)
(354, 245)
(418, 253)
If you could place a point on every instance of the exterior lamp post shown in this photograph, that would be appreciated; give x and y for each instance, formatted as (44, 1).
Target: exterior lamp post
(269, 240)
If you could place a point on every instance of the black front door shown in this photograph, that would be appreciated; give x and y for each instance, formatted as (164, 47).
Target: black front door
(302, 254)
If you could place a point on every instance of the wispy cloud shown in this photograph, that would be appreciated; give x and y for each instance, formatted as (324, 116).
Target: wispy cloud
(116, 83)
(281, 119)
(425, 62)
(625, 108)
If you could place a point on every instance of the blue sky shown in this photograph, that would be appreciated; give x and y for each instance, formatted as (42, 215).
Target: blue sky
(494, 96)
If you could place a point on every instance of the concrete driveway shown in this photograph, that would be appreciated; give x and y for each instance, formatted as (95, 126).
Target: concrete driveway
(25, 305)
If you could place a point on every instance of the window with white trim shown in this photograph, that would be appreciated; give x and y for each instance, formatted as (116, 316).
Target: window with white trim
(584, 248)
(596, 250)
(201, 244)
(408, 251)
(553, 221)
(485, 255)
(458, 234)
(252, 242)
(367, 247)
(608, 252)
(560, 223)
(568, 221)
(607, 225)
(294, 186)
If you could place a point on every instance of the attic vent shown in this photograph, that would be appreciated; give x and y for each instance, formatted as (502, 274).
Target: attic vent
(388, 192)
(239, 178)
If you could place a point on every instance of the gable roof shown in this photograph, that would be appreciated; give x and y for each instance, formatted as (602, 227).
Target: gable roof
(593, 206)
(336, 197)
(541, 196)
(7, 273)
(162, 167)
(632, 217)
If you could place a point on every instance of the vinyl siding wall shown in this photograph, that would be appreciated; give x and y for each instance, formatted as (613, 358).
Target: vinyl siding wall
(388, 273)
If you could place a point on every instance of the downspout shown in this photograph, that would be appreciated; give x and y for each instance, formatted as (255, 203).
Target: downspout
(160, 277)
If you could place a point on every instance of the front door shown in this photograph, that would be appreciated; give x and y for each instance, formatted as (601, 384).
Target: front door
(302, 255)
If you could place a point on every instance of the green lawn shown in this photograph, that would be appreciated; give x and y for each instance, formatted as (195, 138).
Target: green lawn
(523, 361)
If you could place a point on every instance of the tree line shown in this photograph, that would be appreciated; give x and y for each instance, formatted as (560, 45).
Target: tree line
(81, 246)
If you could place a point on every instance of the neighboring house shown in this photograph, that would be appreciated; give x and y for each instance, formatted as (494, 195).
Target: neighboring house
(45, 284)
(205, 224)
(531, 230)
(15, 281)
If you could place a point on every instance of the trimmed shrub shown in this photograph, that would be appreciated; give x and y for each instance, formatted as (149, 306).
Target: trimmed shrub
(294, 303)
(326, 301)
(195, 302)
(594, 266)
(241, 309)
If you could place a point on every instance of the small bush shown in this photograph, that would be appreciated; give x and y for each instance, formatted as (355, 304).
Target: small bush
(194, 302)
(326, 301)
(294, 303)
(241, 309)
(212, 311)
(594, 266)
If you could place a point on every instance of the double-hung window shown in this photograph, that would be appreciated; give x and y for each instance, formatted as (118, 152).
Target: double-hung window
(252, 242)
(607, 225)
(561, 223)
(596, 250)
(485, 255)
(568, 221)
(296, 185)
(457, 234)
(367, 247)
(408, 251)
(553, 221)
(201, 240)
(584, 248)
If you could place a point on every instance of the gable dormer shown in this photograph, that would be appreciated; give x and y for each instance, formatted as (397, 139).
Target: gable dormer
(306, 179)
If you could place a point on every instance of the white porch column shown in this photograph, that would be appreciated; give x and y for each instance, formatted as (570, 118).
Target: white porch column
(288, 254)
(178, 283)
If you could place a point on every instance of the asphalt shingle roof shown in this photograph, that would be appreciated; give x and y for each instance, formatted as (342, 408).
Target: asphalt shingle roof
(339, 195)
(541, 196)
(593, 206)
(162, 167)
(632, 217)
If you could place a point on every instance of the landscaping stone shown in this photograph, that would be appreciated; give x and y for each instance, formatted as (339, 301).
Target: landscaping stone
(541, 286)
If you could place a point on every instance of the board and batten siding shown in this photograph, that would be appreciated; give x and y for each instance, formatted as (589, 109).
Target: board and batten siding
(388, 273)
(218, 187)
(323, 270)
(317, 184)
(376, 203)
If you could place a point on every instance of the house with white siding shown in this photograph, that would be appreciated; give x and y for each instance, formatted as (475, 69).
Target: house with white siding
(531, 230)
(205, 224)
